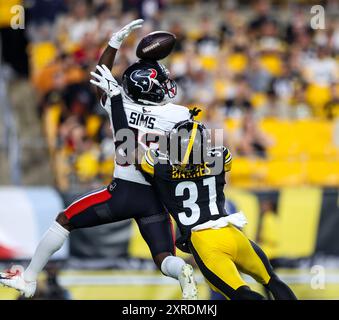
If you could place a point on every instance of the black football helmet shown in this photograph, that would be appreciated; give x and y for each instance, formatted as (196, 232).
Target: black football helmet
(188, 143)
(147, 82)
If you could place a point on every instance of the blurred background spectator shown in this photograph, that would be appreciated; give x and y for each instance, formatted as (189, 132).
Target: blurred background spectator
(251, 66)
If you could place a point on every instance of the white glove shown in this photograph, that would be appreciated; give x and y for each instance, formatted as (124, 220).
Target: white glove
(106, 81)
(118, 37)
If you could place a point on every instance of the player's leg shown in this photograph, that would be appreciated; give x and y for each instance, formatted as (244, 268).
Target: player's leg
(155, 228)
(157, 232)
(279, 289)
(25, 281)
(253, 261)
(88, 210)
(214, 251)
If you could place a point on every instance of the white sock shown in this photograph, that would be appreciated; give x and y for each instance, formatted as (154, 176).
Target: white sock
(172, 266)
(51, 242)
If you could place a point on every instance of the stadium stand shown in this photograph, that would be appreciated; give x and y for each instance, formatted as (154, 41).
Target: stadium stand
(282, 72)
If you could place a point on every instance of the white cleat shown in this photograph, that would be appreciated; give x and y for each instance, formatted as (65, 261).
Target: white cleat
(187, 283)
(13, 278)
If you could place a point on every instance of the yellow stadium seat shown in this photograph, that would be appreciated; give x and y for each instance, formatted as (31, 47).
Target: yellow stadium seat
(237, 62)
(248, 172)
(283, 172)
(5, 12)
(232, 124)
(317, 96)
(271, 63)
(303, 153)
(258, 99)
(93, 123)
(87, 166)
(51, 120)
(41, 54)
(284, 144)
(324, 173)
(106, 167)
(220, 88)
(208, 63)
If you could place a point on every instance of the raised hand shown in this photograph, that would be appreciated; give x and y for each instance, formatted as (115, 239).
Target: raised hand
(105, 81)
(118, 37)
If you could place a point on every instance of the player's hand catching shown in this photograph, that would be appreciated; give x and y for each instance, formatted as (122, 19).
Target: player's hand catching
(105, 81)
(118, 37)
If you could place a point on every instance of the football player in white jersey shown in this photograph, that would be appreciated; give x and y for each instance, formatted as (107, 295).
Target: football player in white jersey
(146, 87)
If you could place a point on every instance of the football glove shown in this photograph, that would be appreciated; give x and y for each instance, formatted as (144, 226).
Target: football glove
(118, 37)
(105, 81)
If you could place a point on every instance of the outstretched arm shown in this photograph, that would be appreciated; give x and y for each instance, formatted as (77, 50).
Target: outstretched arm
(124, 142)
(108, 56)
(104, 81)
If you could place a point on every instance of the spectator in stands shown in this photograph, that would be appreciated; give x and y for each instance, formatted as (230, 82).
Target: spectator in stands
(298, 27)
(300, 109)
(208, 42)
(240, 101)
(258, 78)
(262, 9)
(71, 28)
(322, 69)
(177, 29)
(236, 64)
(274, 107)
(228, 25)
(332, 107)
(213, 120)
(250, 141)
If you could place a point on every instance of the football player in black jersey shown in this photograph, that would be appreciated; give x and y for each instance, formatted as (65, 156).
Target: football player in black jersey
(189, 178)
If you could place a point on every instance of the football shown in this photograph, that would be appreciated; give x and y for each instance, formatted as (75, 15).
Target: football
(156, 45)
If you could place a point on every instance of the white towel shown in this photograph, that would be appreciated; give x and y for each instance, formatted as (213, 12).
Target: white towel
(237, 219)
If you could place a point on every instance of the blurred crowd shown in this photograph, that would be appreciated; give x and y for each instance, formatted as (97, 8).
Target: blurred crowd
(236, 60)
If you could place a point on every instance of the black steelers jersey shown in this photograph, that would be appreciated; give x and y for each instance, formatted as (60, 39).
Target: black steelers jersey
(194, 196)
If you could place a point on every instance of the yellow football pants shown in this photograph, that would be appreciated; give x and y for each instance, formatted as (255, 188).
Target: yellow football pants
(220, 253)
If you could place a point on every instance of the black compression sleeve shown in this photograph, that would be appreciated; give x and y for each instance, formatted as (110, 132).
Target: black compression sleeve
(119, 118)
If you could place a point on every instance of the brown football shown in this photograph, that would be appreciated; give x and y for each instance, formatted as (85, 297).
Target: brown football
(156, 45)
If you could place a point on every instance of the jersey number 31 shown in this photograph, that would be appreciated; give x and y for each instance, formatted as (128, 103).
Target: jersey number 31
(191, 204)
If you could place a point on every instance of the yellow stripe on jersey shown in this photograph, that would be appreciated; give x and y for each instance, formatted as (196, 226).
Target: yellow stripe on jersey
(190, 144)
(147, 163)
(228, 161)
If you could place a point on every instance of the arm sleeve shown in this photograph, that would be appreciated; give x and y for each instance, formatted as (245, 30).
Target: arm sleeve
(115, 109)
(119, 118)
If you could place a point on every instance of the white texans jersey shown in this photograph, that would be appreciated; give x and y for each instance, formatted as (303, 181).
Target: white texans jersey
(146, 119)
